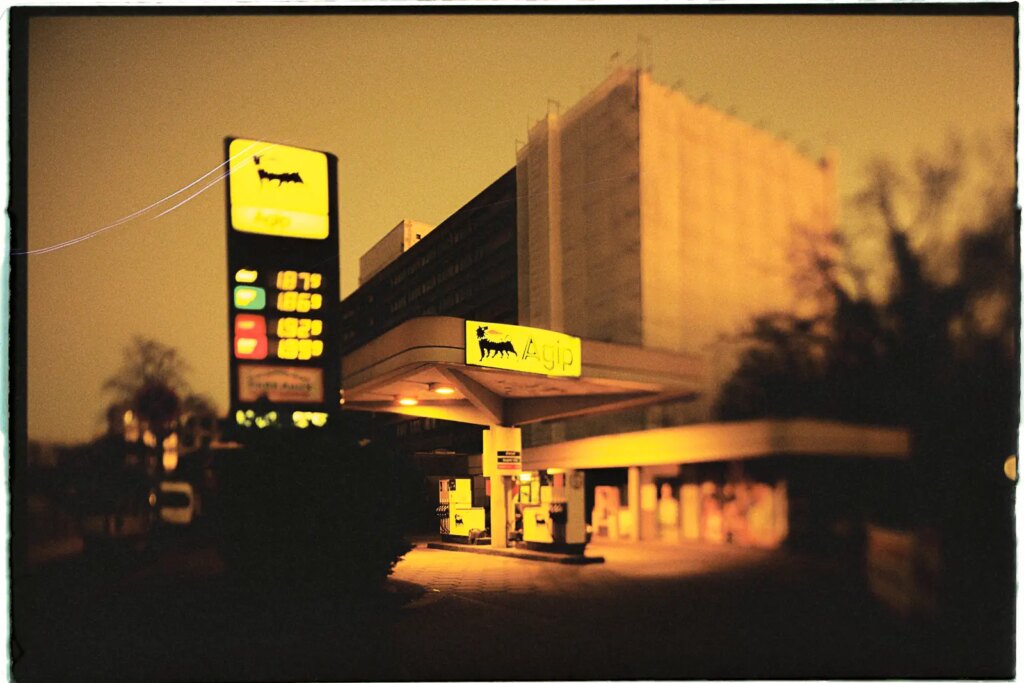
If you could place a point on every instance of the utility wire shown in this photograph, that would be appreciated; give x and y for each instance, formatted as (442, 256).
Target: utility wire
(565, 189)
(140, 212)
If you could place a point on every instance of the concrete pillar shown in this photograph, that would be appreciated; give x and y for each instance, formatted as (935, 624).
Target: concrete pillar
(504, 439)
(633, 496)
(499, 511)
(648, 520)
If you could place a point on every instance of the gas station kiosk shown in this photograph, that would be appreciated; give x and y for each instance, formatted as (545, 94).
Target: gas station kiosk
(503, 376)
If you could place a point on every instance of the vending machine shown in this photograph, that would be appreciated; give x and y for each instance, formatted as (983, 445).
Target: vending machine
(550, 511)
(460, 520)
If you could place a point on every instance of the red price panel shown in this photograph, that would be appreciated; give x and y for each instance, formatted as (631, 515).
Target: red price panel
(251, 341)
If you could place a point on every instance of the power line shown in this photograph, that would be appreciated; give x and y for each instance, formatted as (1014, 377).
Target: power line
(140, 212)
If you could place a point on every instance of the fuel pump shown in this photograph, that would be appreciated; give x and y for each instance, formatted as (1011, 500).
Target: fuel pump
(461, 516)
(550, 510)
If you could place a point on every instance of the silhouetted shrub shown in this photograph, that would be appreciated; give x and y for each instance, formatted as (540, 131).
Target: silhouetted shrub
(315, 511)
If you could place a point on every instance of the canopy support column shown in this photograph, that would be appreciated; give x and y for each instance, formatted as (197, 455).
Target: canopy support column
(502, 459)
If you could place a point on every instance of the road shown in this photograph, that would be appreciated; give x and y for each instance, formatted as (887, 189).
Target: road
(658, 612)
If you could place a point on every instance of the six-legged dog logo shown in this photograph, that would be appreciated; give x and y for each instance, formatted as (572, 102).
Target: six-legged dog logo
(490, 348)
(281, 178)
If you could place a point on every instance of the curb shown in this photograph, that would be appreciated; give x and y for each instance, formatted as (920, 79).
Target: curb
(518, 554)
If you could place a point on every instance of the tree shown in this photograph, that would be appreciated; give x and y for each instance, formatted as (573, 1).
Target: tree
(151, 383)
(148, 362)
(891, 335)
(923, 333)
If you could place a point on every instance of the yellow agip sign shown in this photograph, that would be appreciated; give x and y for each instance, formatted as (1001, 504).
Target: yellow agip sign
(278, 190)
(523, 349)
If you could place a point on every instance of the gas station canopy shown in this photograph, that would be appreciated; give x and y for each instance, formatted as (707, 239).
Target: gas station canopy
(420, 369)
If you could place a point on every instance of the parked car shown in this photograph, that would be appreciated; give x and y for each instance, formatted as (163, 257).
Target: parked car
(177, 502)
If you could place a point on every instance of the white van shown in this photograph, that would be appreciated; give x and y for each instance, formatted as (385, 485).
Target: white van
(177, 502)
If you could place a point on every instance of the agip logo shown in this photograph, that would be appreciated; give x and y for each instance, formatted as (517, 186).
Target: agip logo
(523, 349)
(278, 190)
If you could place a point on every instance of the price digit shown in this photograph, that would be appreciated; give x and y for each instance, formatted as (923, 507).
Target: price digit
(287, 301)
(287, 279)
(288, 349)
(286, 328)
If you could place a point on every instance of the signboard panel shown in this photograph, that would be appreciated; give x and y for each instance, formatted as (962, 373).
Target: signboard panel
(523, 349)
(280, 384)
(283, 281)
(510, 462)
(502, 452)
(278, 190)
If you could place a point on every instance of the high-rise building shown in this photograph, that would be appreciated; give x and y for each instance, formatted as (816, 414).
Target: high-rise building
(396, 242)
(647, 218)
(465, 267)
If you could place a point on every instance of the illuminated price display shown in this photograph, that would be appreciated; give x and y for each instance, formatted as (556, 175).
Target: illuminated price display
(296, 291)
(295, 339)
(288, 337)
(289, 280)
(299, 302)
(299, 349)
(299, 328)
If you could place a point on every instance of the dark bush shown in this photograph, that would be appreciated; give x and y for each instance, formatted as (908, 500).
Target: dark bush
(315, 511)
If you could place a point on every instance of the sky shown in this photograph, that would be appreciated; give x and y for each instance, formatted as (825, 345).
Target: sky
(423, 111)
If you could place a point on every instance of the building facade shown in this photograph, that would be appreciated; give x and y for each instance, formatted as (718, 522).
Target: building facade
(647, 218)
(396, 242)
(465, 267)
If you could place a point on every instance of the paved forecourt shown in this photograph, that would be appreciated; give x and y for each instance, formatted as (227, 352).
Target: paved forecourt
(651, 611)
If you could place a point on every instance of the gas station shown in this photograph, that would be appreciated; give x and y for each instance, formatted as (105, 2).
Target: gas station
(282, 278)
(451, 369)
(288, 371)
